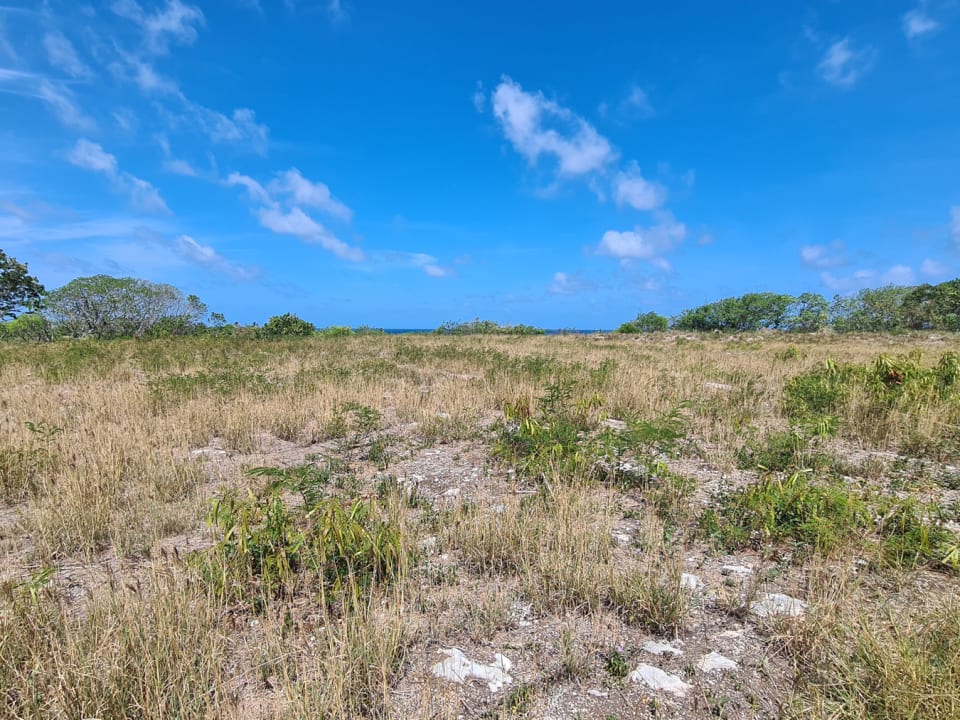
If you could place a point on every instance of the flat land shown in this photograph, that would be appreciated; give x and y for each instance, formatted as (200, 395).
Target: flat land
(665, 526)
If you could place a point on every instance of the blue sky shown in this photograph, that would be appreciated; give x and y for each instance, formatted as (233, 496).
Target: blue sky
(406, 164)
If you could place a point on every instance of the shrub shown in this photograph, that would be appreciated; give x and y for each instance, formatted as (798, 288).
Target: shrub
(644, 323)
(287, 325)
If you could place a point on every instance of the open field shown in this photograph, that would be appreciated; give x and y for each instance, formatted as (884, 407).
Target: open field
(229, 528)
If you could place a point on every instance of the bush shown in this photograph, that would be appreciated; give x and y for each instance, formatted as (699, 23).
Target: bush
(287, 325)
(486, 327)
(644, 323)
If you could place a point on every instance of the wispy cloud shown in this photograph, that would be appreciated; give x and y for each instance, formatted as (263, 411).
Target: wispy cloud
(844, 65)
(297, 223)
(143, 196)
(311, 194)
(824, 256)
(540, 128)
(649, 244)
(566, 284)
(631, 188)
(917, 22)
(933, 269)
(61, 102)
(895, 275)
(175, 22)
(636, 103)
(195, 253)
(62, 55)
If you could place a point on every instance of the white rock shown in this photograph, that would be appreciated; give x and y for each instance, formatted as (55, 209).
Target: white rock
(208, 452)
(452, 492)
(622, 539)
(597, 693)
(656, 679)
(717, 386)
(690, 582)
(659, 648)
(735, 570)
(457, 667)
(778, 604)
(614, 424)
(715, 661)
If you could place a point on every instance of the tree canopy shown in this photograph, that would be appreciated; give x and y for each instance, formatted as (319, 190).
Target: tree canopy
(19, 291)
(102, 306)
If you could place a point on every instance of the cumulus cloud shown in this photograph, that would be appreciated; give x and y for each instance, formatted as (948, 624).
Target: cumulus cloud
(311, 194)
(142, 195)
(297, 223)
(824, 256)
(649, 244)
(540, 128)
(631, 188)
(62, 55)
(917, 23)
(843, 65)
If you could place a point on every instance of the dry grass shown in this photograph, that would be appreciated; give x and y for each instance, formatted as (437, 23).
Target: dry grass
(111, 453)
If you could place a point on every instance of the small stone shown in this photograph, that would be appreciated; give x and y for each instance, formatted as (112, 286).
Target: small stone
(656, 679)
(778, 604)
(714, 661)
(597, 693)
(457, 667)
(690, 582)
(717, 386)
(659, 648)
(735, 570)
(614, 424)
(622, 539)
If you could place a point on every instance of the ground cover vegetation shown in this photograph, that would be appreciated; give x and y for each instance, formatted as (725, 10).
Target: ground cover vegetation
(279, 526)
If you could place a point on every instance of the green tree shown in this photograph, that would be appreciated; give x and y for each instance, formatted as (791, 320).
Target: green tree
(287, 325)
(871, 310)
(19, 290)
(808, 313)
(102, 306)
(644, 323)
(747, 313)
(928, 307)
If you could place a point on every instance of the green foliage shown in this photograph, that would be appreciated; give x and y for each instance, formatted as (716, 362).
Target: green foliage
(808, 313)
(18, 289)
(268, 549)
(107, 307)
(31, 326)
(912, 536)
(616, 664)
(795, 449)
(750, 312)
(335, 331)
(871, 310)
(24, 468)
(817, 518)
(287, 325)
(644, 323)
(486, 327)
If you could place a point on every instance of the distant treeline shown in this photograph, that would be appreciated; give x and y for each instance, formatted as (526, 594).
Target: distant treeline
(888, 309)
(107, 307)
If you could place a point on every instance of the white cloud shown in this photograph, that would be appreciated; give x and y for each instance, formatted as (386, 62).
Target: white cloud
(254, 189)
(336, 11)
(933, 269)
(899, 275)
(564, 284)
(143, 196)
(824, 256)
(524, 117)
(62, 55)
(180, 167)
(300, 225)
(636, 103)
(645, 243)
(955, 225)
(63, 106)
(843, 66)
(189, 250)
(429, 264)
(176, 22)
(917, 23)
(631, 188)
(305, 192)
(479, 98)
